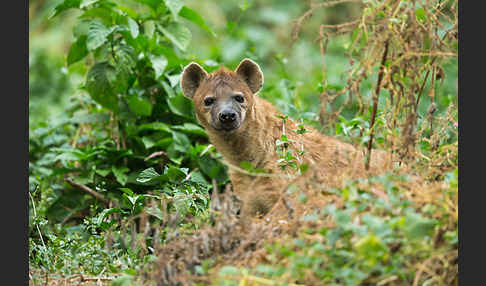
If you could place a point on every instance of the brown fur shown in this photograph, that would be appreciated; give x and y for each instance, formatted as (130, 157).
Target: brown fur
(331, 161)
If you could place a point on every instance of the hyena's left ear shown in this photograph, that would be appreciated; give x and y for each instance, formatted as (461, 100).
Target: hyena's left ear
(191, 78)
(251, 74)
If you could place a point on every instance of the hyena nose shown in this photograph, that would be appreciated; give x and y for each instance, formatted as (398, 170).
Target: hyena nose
(227, 116)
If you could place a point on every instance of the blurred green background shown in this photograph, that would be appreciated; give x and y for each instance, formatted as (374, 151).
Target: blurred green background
(260, 29)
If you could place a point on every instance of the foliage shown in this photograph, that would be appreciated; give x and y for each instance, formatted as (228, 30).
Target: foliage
(123, 168)
(129, 136)
(373, 238)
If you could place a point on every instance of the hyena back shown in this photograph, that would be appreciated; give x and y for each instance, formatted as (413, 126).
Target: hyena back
(245, 127)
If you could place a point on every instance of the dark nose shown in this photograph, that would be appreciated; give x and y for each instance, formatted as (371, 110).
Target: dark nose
(227, 116)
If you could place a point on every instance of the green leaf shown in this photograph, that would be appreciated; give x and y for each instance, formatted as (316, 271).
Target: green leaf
(65, 5)
(159, 126)
(133, 26)
(86, 3)
(191, 128)
(181, 105)
(99, 85)
(103, 173)
(127, 191)
(175, 174)
(228, 270)
(420, 15)
(372, 250)
(155, 211)
(126, 61)
(150, 176)
(159, 63)
(178, 34)
(100, 13)
(147, 175)
(181, 142)
(140, 105)
(417, 227)
(174, 6)
(247, 166)
(97, 34)
(148, 142)
(154, 4)
(120, 174)
(77, 51)
(194, 17)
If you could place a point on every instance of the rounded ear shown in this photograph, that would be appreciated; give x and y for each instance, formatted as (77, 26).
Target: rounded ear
(251, 74)
(192, 76)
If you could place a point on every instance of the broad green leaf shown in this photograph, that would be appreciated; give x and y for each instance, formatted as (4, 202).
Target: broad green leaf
(81, 28)
(147, 175)
(194, 17)
(120, 174)
(129, 11)
(127, 191)
(198, 177)
(140, 105)
(150, 176)
(154, 4)
(148, 142)
(133, 26)
(97, 34)
(178, 34)
(175, 174)
(86, 3)
(170, 92)
(417, 226)
(103, 173)
(103, 14)
(174, 6)
(174, 79)
(191, 128)
(181, 142)
(99, 85)
(155, 126)
(65, 5)
(372, 250)
(181, 105)
(78, 50)
(126, 61)
(159, 63)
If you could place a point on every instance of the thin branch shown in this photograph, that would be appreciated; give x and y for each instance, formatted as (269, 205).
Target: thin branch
(375, 103)
(297, 26)
(88, 190)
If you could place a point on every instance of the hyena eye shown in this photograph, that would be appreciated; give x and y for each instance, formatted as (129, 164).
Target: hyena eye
(239, 98)
(209, 100)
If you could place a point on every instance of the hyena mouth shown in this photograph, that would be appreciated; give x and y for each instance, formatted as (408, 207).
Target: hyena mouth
(227, 127)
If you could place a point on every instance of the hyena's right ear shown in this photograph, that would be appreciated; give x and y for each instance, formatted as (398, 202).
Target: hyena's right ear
(191, 78)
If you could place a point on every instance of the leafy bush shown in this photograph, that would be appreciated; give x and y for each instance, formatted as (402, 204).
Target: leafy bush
(129, 137)
(125, 167)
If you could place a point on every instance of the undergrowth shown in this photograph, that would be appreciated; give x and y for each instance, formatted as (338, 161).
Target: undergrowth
(123, 184)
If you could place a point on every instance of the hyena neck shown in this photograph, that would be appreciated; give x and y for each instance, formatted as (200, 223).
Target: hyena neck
(254, 144)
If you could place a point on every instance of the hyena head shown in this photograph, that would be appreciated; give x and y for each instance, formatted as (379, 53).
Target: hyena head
(222, 99)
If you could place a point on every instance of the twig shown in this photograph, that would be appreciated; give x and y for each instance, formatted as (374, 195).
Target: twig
(155, 154)
(88, 190)
(96, 278)
(308, 14)
(36, 225)
(375, 103)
